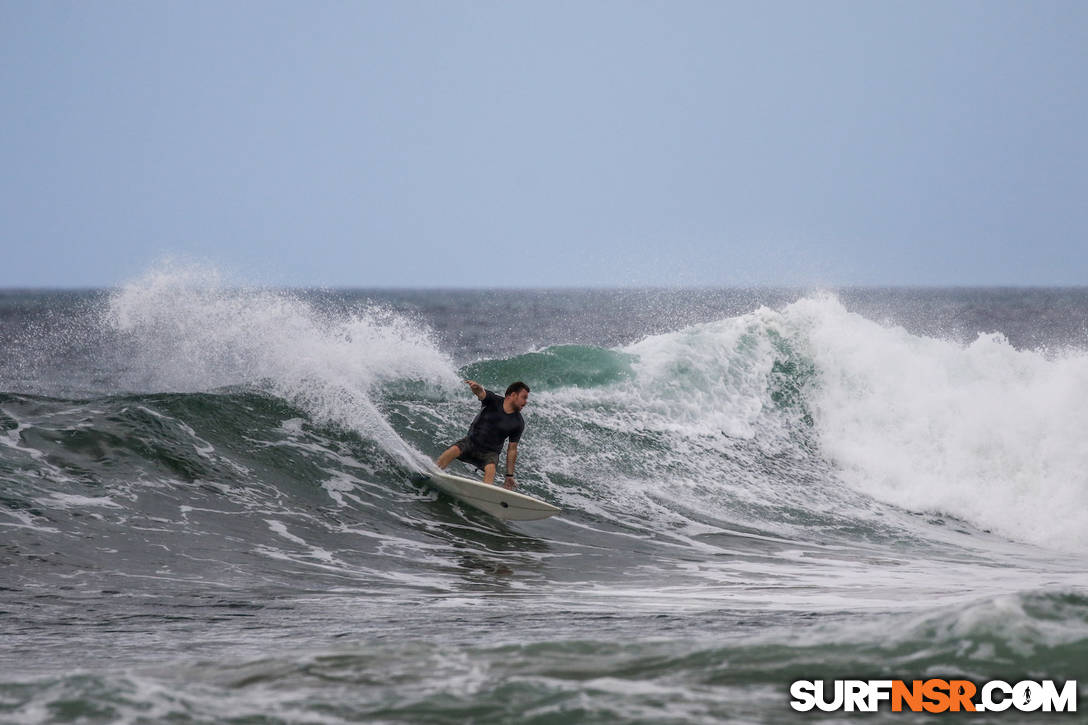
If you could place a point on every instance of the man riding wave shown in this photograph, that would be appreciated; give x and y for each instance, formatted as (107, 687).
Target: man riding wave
(499, 419)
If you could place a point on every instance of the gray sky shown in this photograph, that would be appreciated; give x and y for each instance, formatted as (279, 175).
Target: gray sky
(546, 144)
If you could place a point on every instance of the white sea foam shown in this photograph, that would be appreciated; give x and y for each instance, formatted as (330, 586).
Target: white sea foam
(985, 432)
(59, 500)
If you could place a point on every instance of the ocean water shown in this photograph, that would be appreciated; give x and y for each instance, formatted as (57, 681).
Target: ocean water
(207, 511)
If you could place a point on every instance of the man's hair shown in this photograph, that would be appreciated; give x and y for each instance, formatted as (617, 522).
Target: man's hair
(517, 388)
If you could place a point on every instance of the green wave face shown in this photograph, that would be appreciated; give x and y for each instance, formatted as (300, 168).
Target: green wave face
(554, 367)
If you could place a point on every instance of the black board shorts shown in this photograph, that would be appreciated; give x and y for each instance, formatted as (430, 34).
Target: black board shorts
(475, 455)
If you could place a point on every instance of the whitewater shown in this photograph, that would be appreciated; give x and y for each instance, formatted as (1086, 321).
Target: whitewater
(208, 514)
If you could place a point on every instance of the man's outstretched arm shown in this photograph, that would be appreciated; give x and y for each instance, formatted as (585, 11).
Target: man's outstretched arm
(477, 389)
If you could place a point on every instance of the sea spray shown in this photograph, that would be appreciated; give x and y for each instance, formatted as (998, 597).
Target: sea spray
(186, 330)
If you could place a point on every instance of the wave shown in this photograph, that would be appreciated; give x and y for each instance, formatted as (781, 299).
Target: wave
(806, 422)
(981, 431)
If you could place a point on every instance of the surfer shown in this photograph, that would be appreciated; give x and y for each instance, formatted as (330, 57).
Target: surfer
(498, 419)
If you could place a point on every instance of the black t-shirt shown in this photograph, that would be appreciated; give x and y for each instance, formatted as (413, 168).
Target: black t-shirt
(493, 425)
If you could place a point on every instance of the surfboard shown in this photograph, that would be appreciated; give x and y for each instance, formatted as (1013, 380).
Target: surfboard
(495, 500)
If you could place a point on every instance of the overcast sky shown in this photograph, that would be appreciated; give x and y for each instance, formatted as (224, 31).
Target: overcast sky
(546, 144)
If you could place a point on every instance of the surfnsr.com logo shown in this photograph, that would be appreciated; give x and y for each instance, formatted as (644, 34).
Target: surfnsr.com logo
(933, 696)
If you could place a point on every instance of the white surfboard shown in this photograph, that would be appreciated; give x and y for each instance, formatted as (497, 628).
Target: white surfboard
(495, 500)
